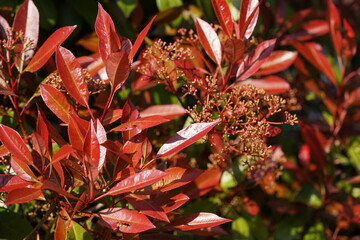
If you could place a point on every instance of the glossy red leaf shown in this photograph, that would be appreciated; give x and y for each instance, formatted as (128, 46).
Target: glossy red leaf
(77, 130)
(313, 52)
(48, 48)
(271, 84)
(141, 123)
(6, 91)
(102, 138)
(223, 15)
(72, 76)
(92, 152)
(334, 22)
(209, 231)
(10, 182)
(255, 59)
(117, 69)
(61, 230)
(170, 202)
(23, 195)
(147, 206)
(27, 21)
(140, 39)
(249, 13)
(137, 181)
(185, 137)
(169, 111)
(125, 220)
(308, 30)
(62, 153)
(112, 116)
(130, 113)
(47, 184)
(134, 144)
(277, 61)
(250, 206)
(42, 130)
(108, 39)
(296, 18)
(22, 169)
(209, 40)
(52, 131)
(233, 49)
(15, 144)
(203, 183)
(198, 220)
(56, 102)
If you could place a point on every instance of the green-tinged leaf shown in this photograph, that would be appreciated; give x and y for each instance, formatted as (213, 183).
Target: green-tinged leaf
(227, 181)
(126, 6)
(15, 226)
(310, 196)
(291, 227)
(77, 232)
(240, 229)
(353, 151)
(48, 13)
(258, 228)
(315, 232)
(165, 4)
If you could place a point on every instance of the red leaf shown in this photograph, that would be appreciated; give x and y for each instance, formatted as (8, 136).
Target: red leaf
(77, 130)
(198, 220)
(185, 137)
(62, 153)
(140, 39)
(22, 169)
(203, 183)
(169, 111)
(250, 206)
(61, 229)
(171, 202)
(112, 116)
(92, 152)
(102, 138)
(277, 61)
(308, 30)
(42, 129)
(117, 69)
(15, 144)
(137, 181)
(313, 52)
(209, 40)
(124, 220)
(249, 13)
(27, 21)
(52, 186)
(141, 123)
(223, 15)
(271, 84)
(334, 25)
(147, 207)
(72, 75)
(23, 195)
(209, 231)
(55, 101)
(4, 25)
(48, 48)
(130, 113)
(6, 91)
(255, 59)
(108, 39)
(10, 182)
(233, 49)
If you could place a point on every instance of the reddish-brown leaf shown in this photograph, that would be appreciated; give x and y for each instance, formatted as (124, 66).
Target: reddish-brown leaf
(334, 22)
(169, 111)
(47, 184)
(130, 113)
(271, 84)
(108, 39)
(10, 182)
(102, 138)
(233, 49)
(147, 206)
(277, 61)
(60, 229)
(170, 202)
(112, 116)
(209, 40)
(27, 21)
(140, 39)
(4, 25)
(209, 231)
(62, 153)
(56, 102)
(5, 91)
(77, 130)
(313, 52)
(249, 13)
(308, 30)
(23, 195)
(117, 69)
(137, 181)
(198, 220)
(48, 48)
(125, 220)
(250, 206)
(92, 151)
(22, 169)
(72, 75)
(223, 15)
(185, 137)
(295, 19)
(255, 59)
(141, 123)
(15, 144)
(42, 130)
(203, 183)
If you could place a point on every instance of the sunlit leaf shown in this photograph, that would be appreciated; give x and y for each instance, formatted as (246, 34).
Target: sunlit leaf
(23, 195)
(277, 61)
(223, 14)
(197, 220)
(141, 123)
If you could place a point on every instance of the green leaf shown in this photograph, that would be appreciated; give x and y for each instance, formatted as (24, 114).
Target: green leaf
(291, 227)
(310, 196)
(126, 6)
(241, 229)
(48, 13)
(353, 151)
(13, 225)
(165, 4)
(227, 181)
(315, 232)
(77, 232)
(258, 228)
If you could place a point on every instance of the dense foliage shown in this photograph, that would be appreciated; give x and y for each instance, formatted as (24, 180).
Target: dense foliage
(219, 120)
